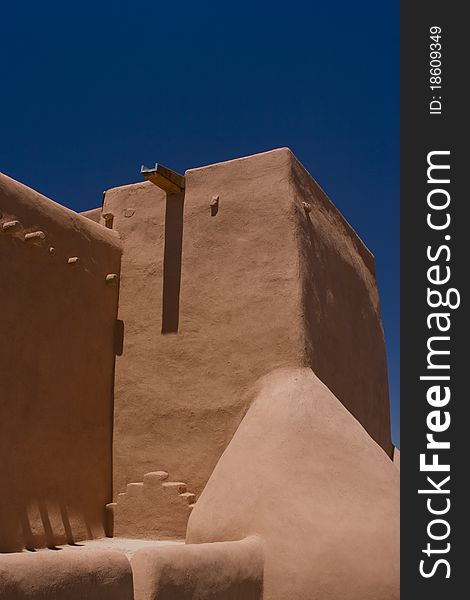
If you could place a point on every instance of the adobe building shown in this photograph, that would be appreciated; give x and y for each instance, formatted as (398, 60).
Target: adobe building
(195, 370)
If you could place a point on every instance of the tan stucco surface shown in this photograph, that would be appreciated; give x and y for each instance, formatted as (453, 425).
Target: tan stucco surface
(230, 365)
(344, 339)
(216, 571)
(88, 574)
(180, 396)
(304, 476)
(56, 370)
(261, 284)
(94, 214)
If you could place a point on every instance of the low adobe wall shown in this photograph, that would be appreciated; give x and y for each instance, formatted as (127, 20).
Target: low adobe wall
(57, 365)
(73, 575)
(217, 571)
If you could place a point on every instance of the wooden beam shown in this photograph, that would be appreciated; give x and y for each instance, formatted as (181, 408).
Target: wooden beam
(164, 178)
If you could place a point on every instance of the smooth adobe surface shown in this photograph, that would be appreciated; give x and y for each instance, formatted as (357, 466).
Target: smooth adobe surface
(303, 475)
(246, 304)
(90, 574)
(219, 571)
(56, 369)
(342, 325)
(219, 287)
(198, 326)
(94, 214)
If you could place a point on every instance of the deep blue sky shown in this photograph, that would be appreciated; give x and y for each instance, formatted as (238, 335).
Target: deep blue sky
(90, 91)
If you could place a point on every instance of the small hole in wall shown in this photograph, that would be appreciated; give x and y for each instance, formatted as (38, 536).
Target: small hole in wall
(108, 220)
(214, 204)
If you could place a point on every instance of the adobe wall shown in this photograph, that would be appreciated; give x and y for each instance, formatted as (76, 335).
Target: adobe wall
(56, 362)
(344, 338)
(242, 289)
(321, 495)
(179, 395)
(74, 575)
(94, 215)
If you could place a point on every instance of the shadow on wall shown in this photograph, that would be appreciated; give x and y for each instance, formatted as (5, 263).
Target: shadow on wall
(330, 299)
(42, 523)
(118, 339)
(172, 262)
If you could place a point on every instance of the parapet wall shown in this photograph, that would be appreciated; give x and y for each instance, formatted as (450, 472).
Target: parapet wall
(57, 323)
